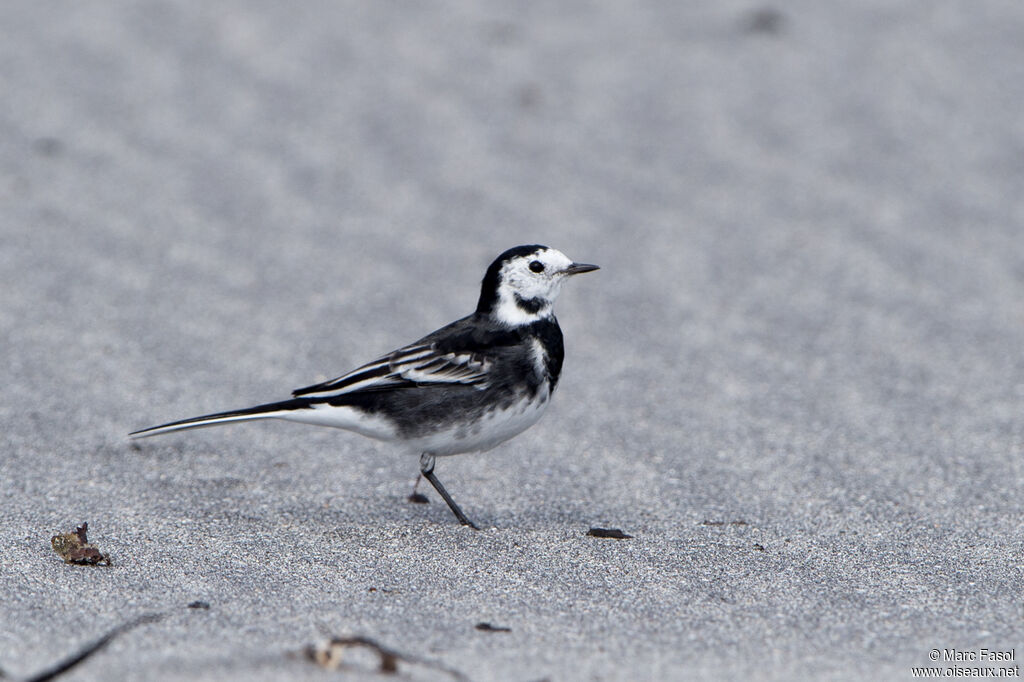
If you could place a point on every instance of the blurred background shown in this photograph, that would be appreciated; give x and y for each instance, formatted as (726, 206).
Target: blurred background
(809, 314)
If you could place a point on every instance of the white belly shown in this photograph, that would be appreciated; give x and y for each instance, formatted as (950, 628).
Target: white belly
(495, 427)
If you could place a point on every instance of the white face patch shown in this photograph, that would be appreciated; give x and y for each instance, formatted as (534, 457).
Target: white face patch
(510, 313)
(525, 293)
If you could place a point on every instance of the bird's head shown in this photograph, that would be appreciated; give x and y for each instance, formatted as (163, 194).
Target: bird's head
(521, 285)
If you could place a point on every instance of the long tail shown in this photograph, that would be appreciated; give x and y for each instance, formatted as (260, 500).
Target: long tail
(268, 411)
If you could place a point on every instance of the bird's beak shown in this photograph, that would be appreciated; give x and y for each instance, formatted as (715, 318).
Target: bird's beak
(577, 268)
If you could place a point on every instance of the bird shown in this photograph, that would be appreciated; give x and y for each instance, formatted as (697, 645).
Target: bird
(466, 387)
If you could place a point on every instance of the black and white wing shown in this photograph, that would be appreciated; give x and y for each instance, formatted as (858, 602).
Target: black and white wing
(416, 365)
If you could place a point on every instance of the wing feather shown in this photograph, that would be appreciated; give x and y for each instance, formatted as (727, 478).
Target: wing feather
(413, 365)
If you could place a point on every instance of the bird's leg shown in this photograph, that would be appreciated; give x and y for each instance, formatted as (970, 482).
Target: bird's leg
(417, 497)
(427, 469)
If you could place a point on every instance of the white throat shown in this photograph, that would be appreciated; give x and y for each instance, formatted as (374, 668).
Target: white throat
(509, 313)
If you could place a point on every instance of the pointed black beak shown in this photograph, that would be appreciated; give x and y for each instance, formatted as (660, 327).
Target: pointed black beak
(577, 268)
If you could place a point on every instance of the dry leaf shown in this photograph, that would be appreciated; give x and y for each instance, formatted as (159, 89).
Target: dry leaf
(74, 548)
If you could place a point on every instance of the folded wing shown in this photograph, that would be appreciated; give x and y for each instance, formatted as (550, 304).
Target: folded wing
(415, 365)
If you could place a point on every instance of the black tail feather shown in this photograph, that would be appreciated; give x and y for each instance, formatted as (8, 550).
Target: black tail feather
(265, 411)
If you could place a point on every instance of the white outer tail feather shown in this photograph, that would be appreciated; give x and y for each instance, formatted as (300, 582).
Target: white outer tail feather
(200, 423)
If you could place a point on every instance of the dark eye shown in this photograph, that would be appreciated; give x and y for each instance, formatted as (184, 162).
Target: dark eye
(537, 266)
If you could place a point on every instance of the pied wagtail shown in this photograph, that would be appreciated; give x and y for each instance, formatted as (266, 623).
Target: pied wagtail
(464, 388)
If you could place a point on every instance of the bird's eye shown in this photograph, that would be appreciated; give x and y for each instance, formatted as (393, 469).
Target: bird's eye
(537, 266)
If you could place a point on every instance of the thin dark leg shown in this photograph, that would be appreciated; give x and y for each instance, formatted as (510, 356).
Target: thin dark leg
(415, 495)
(427, 469)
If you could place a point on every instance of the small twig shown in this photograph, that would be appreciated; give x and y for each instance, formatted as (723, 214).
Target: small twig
(93, 648)
(613, 533)
(328, 655)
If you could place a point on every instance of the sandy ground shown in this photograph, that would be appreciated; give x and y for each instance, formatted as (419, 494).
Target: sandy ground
(797, 381)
